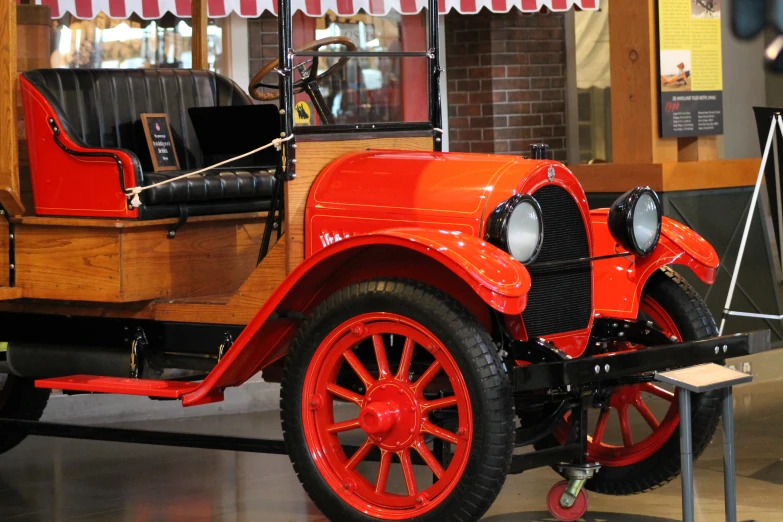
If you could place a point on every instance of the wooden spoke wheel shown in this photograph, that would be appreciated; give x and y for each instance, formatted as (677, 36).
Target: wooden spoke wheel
(635, 436)
(364, 398)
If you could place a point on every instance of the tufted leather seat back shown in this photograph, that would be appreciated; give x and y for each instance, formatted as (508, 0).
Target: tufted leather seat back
(102, 107)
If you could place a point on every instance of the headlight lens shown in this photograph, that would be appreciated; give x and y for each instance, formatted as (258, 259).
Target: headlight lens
(516, 227)
(635, 220)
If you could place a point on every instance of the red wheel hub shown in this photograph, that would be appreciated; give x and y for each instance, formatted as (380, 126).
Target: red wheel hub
(394, 415)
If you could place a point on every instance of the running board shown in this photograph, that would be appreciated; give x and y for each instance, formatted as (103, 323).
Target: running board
(121, 386)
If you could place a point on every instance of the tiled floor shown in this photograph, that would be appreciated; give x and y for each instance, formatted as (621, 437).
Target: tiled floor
(58, 479)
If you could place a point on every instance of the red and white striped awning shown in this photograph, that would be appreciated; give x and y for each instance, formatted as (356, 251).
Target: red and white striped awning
(152, 9)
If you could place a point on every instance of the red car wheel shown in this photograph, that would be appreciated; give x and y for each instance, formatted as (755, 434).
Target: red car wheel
(625, 398)
(635, 437)
(394, 416)
(383, 374)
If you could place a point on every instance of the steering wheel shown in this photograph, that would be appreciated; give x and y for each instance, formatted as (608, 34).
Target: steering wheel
(308, 74)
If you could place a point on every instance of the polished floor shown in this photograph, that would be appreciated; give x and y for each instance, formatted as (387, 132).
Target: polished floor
(58, 479)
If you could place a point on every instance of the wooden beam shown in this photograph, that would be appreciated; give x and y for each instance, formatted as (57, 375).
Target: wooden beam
(9, 166)
(199, 23)
(633, 61)
(668, 177)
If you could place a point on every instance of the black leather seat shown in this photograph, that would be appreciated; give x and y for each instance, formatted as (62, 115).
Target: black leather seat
(101, 108)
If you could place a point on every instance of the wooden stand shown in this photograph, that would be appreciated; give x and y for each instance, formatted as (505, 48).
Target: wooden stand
(700, 379)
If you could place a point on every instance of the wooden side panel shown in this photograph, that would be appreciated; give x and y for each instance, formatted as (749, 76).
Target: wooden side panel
(9, 173)
(239, 308)
(80, 264)
(311, 158)
(202, 259)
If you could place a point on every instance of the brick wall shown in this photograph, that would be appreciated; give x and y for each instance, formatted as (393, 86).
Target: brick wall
(506, 82)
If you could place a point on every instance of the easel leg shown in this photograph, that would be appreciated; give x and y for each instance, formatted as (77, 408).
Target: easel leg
(686, 456)
(753, 202)
(729, 479)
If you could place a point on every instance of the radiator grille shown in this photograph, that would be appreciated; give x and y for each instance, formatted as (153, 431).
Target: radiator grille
(560, 298)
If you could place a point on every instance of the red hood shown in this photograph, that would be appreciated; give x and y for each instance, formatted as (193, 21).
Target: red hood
(433, 186)
(415, 184)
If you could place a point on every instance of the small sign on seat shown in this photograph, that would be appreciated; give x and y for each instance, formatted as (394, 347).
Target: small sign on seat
(159, 141)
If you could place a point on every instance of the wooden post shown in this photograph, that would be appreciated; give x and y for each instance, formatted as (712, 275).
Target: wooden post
(633, 63)
(9, 168)
(633, 49)
(199, 23)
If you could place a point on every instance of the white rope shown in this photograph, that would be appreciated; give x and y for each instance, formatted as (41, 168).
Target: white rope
(135, 191)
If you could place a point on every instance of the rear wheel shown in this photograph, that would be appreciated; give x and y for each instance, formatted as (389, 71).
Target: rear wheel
(387, 374)
(19, 399)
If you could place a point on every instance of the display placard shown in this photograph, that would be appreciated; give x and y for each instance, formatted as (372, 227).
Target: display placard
(691, 67)
(159, 141)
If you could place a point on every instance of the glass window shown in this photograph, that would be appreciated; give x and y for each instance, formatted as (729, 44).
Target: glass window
(593, 81)
(358, 89)
(105, 42)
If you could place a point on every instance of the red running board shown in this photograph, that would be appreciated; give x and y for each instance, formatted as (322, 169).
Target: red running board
(144, 387)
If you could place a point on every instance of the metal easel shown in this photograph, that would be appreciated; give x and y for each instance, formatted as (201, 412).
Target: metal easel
(771, 146)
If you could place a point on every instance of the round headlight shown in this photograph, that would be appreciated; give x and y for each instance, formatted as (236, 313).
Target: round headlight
(635, 220)
(516, 227)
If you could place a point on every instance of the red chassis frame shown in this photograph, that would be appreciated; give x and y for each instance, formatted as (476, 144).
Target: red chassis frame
(445, 252)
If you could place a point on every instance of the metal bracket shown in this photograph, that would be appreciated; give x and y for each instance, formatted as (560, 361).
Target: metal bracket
(183, 217)
(225, 345)
(138, 345)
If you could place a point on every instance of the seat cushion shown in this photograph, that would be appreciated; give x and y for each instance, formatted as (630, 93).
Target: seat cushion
(102, 107)
(221, 185)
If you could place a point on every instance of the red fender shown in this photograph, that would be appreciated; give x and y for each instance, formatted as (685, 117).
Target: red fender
(496, 278)
(618, 282)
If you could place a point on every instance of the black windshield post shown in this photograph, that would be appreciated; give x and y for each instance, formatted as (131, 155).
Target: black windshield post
(436, 117)
(286, 72)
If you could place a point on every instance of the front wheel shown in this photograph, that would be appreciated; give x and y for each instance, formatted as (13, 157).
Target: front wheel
(644, 453)
(383, 380)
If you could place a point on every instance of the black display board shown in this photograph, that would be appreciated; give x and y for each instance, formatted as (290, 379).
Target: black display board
(160, 142)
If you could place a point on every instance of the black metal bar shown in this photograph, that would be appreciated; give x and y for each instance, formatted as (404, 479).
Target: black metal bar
(366, 54)
(286, 85)
(581, 260)
(11, 254)
(277, 199)
(323, 110)
(436, 117)
(547, 457)
(588, 370)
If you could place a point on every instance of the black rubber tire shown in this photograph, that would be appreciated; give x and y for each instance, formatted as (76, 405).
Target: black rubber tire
(20, 399)
(475, 354)
(694, 321)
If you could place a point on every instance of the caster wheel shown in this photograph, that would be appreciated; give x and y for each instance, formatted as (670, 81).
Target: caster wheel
(565, 514)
